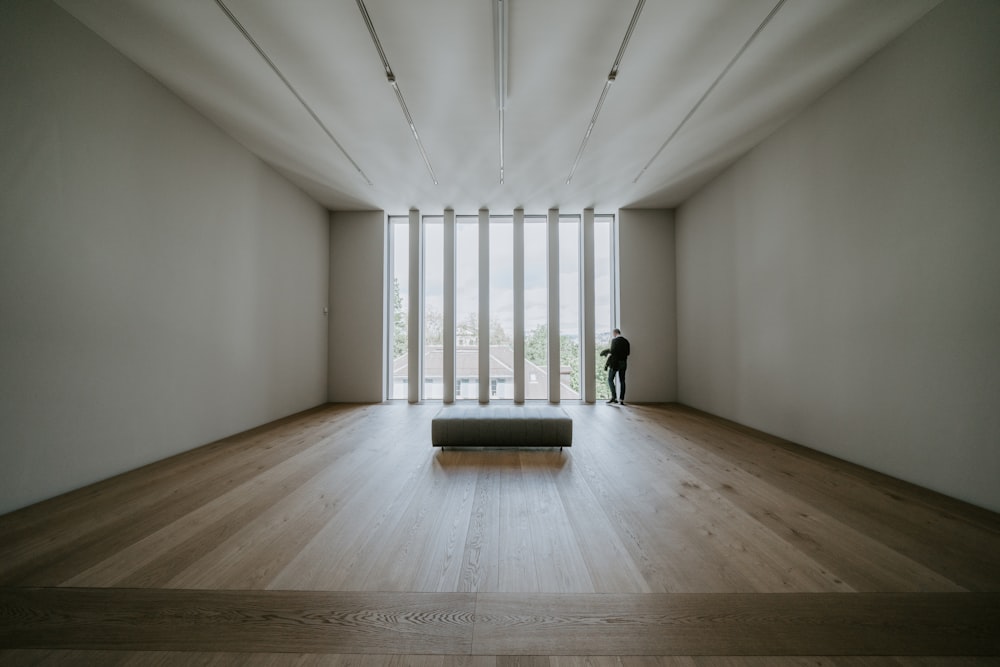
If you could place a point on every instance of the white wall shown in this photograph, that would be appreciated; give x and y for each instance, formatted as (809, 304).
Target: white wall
(648, 303)
(160, 287)
(840, 285)
(357, 307)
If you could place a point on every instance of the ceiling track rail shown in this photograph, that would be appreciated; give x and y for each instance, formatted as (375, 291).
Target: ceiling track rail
(701, 100)
(607, 87)
(239, 26)
(391, 78)
(500, 65)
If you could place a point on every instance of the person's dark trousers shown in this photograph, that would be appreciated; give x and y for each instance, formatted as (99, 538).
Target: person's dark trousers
(621, 383)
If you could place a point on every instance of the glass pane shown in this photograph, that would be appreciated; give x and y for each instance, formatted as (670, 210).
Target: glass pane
(501, 308)
(466, 307)
(399, 246)
(433, 369)
(569, 307)
(536, 305)
(603, 302)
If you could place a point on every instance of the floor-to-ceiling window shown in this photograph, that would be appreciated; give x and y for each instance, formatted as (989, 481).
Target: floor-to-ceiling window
(501, 307)
(399, 309)
(604, 296)
(536, 308)
(466, 307)
(433, 315)
(469, 367)
(569, 307)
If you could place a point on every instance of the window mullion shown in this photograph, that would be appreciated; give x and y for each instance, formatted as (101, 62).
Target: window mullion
(484, 305)
(519, 306)
(448, 317)
(414, 328)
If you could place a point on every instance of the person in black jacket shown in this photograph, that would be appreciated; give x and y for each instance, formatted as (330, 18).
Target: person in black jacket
(617, 362)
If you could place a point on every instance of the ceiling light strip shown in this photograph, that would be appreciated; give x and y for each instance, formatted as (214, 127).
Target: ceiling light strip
(501, 146)
(391, 78)
(291, 88)
(628, 36)
(607, 86)
(500, 65)
(715, 83)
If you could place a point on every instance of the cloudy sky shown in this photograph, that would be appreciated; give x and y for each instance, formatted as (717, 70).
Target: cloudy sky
(501, 270)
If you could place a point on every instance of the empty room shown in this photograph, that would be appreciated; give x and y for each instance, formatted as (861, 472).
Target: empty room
(500, 332)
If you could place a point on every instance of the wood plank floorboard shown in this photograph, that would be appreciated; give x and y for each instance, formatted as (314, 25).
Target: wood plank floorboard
(502, 623)
(158, 558)
(340, 555)
(480, 564)
(516, 566)
(248, 621)
(738, 624)
(861, 561)
(907, 516)
(154, 497)
(35, 658)
(63, 658)
(340, 536)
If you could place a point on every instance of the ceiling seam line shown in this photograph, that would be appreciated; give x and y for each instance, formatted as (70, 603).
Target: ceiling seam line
(701, 100)
(239, 26)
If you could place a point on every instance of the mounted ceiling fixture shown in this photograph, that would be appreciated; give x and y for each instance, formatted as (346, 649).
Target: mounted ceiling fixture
(500, 62)
(708, 92)
(607, 86)
(391, 78)
(291, 88)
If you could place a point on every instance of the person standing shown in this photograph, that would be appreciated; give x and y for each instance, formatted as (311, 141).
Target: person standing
(616, 364)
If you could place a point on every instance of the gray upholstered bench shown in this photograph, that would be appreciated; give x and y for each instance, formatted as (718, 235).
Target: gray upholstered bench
(502, 426)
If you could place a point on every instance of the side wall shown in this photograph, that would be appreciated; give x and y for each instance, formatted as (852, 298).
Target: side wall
(160, 287)
(840, 285)
(357, 307)
(647, 303)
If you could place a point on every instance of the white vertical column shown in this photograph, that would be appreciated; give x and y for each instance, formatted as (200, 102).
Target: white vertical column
(484, 305)
(589, 354)
(448, 317)
(553, 283)
(413, 325)
(519, 305)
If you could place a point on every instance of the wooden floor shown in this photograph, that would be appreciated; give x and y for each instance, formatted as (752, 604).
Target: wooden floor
(339, 536)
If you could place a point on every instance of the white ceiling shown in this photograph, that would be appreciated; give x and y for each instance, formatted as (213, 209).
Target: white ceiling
(442, 53)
